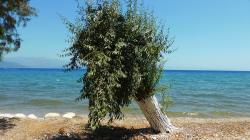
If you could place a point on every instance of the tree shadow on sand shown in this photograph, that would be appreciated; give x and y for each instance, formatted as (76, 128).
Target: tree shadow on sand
(5, 124)
(107, 133)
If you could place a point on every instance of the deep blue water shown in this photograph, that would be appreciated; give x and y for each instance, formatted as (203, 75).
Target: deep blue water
(53, 90)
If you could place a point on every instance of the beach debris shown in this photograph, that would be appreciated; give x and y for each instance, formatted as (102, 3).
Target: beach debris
(69, 115)
(52, 115)
(32, 116)
(6, 115)
(20, 115)
(192, 114)
(41, 118)
(62, 131)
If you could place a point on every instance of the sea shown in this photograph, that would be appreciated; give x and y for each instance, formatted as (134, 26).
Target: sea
(194, 93)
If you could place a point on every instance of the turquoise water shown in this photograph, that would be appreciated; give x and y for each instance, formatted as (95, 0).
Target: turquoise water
(52, 90)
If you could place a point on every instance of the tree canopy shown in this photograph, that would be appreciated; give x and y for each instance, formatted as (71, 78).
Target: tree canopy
(13, 13)
(122, 49)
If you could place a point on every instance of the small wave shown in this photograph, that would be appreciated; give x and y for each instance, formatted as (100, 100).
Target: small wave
(2, 97)
(226, 114)
(185, 114)
(44, 102)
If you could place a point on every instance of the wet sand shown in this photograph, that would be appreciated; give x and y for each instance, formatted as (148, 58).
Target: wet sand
(133, 127)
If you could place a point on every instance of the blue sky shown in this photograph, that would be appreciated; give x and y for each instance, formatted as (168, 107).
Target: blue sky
(209, 34)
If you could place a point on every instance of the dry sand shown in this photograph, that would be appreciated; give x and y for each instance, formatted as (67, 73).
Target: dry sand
(129, 128)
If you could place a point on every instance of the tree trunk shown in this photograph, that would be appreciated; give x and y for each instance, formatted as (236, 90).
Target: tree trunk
(156, 118)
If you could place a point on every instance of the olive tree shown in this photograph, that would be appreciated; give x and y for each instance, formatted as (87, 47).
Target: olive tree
(122, 51)
(13, 13)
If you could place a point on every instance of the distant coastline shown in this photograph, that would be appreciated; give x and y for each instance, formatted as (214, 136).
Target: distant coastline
(32, 62)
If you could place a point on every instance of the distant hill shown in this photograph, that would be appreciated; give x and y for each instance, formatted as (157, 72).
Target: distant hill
(30, 62)
(6, 64)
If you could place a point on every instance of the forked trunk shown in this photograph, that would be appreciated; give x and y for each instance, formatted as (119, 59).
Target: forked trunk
(156, 118)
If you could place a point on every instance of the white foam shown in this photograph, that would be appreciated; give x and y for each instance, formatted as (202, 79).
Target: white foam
(20, 115)
(32, 116)
(69, 115)
(6, 115)
(52, 115)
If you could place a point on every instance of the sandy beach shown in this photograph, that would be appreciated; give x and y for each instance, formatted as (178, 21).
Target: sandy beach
(130, 128)
(172, 70)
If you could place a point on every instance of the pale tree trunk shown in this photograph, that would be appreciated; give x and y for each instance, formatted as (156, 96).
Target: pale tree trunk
(156, 118)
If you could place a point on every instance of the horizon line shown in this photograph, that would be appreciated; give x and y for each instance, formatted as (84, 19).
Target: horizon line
(219, 70)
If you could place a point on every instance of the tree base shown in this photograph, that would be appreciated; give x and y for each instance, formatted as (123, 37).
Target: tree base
(156, 118)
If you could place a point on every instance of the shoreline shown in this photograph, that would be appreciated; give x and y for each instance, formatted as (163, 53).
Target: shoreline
(130, 113)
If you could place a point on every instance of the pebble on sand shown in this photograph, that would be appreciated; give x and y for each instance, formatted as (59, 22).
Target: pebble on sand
(69, 115)
(52, 115)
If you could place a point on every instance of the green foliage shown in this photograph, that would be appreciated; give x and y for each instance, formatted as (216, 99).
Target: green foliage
(12, 14)
(166, 100)
(122, 51)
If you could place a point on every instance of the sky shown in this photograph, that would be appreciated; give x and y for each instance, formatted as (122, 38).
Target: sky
(208, 34)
